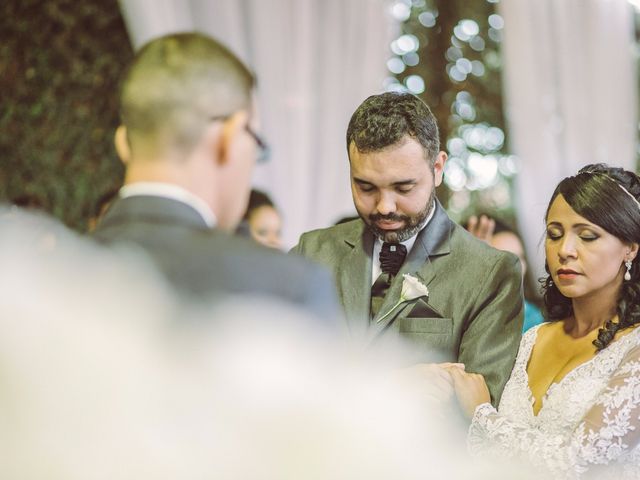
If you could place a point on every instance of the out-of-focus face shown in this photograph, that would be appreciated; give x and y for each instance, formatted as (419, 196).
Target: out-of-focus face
(584, 260)
(509, 242)
(265, 226)
(394, 189)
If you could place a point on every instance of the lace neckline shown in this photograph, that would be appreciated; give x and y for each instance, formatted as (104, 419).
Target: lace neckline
(533, 335)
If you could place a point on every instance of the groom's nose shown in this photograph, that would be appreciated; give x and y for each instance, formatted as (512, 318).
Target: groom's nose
(386, 203)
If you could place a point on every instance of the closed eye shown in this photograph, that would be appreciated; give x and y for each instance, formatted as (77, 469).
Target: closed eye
(364, 186)
(589, 238)
(554, 234)
(587, 234)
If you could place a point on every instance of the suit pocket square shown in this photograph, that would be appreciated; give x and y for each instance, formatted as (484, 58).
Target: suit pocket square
(422, 309)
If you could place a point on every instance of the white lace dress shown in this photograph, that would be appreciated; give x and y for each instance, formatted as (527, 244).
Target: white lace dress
(590, 417)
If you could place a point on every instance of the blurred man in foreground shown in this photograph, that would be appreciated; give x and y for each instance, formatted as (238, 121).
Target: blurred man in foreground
(189, 142)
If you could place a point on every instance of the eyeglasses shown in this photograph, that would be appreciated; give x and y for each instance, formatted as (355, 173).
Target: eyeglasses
(263, 156)
(263, 147)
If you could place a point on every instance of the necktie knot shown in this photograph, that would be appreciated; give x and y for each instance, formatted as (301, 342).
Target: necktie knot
(392, 257)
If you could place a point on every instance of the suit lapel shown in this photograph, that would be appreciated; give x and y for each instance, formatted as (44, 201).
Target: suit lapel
(431, 242)
(354, 277)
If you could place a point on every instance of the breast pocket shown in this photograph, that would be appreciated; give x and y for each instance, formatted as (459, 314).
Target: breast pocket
(429, 325)
(430, 332)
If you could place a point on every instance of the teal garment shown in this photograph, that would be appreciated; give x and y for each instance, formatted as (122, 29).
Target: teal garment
(532, 316)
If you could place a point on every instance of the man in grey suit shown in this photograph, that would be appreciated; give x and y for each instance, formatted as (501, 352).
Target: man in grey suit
(472, 312)
(189, 143)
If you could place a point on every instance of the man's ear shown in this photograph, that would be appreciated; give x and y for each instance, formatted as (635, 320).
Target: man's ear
(231, 128)
(438, 168)
(121, 141)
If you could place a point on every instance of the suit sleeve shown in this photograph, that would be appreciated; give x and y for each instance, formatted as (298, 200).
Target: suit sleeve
(321, 296)
(490, 342)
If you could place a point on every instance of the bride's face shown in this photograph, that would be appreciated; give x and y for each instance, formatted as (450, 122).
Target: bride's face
(583, 258)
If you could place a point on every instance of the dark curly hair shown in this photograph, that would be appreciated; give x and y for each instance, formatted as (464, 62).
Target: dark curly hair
(595, 193)
(383, 120)
(257, 199)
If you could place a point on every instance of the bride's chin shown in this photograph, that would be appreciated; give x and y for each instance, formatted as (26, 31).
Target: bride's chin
(570, 292)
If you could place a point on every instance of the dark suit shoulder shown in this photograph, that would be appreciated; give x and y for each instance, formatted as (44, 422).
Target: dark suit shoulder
(243, 256)
(239, 265)
(236, 248)
(205, 262)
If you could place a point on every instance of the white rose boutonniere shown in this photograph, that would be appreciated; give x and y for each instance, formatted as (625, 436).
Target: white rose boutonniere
(412, 288)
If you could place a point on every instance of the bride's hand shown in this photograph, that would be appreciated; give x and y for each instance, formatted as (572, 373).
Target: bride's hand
(471, 390)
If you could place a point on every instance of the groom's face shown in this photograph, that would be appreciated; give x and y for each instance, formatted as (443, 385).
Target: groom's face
(394, 189)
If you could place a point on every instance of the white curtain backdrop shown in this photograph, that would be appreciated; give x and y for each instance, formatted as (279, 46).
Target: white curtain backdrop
(315, 60)
(570, 88)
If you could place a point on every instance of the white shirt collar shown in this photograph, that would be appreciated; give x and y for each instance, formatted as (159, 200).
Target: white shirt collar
(377, 247)
(173, 192)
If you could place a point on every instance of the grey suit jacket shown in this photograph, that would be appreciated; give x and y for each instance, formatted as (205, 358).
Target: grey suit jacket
(474, 310)
(204, 263)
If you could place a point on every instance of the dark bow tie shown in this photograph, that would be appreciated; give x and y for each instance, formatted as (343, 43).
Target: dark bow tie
(392, 257)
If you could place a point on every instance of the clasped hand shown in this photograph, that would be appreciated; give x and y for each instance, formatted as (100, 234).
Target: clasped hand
(440, 381)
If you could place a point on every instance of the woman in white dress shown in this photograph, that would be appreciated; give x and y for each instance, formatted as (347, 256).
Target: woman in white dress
(572, 405)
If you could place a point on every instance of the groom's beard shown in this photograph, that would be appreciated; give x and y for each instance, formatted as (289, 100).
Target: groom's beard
(412, 223)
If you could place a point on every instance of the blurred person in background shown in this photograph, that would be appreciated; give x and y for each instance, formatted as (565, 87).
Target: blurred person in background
(189, 142)
(262, 221)
(499, 235)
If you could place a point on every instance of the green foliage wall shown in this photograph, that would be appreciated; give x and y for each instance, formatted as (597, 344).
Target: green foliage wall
(60, 62)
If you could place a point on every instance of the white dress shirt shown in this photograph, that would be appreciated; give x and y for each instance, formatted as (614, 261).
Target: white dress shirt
(173, 192)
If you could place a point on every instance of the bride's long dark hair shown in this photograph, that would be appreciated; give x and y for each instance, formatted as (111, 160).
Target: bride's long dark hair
(595, 193)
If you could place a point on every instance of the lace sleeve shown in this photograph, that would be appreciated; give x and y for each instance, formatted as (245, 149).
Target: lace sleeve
(609, 430)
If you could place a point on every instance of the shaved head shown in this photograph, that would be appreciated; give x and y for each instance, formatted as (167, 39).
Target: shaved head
(175, 85)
